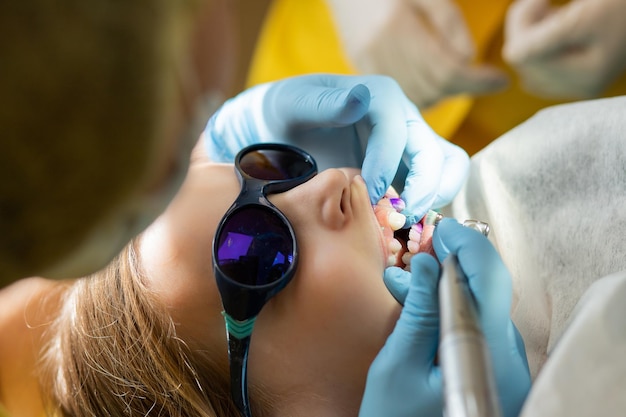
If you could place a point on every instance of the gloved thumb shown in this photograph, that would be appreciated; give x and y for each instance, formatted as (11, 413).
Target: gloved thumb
(397, 281)
(417, 330)
(316, 105)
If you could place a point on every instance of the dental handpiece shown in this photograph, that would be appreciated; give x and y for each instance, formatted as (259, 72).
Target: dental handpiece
(468, 379)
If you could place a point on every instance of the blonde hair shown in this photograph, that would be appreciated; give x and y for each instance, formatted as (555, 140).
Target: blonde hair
(85, 84)
(113, 350)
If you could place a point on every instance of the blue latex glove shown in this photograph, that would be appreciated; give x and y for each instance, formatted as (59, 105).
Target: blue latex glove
(490, 283)
(403, 380)
(345, 121)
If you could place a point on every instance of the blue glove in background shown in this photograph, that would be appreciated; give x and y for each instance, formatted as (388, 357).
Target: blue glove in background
(490, 282)
(403, 380)
(359, 121)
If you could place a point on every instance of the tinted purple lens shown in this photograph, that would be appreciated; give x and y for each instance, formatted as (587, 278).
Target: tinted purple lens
(255, 246)
(271, 164)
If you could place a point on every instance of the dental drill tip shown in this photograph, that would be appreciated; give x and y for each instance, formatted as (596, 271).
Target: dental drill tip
(432, 218)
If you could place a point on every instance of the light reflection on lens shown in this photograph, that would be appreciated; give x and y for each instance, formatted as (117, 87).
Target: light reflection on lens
(255, 246)
(271, 164)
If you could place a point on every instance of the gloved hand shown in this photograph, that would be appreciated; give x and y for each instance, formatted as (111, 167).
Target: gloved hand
(424, 45)
(408, 355)
(403, 380)
(345, 121)
(570, 51)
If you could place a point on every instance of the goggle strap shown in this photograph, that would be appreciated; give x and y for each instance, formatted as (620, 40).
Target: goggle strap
(237, 328)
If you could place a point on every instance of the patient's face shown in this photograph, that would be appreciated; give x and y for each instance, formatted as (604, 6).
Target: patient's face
(323, 330)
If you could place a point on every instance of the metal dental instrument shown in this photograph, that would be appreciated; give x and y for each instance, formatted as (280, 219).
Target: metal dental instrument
(482, 227)
(469, 385)
(468, 379)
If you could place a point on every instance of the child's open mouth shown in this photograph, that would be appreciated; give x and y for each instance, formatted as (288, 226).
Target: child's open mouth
(404, 240)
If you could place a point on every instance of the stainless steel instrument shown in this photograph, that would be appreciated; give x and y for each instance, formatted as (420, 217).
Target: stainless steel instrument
(469, 386)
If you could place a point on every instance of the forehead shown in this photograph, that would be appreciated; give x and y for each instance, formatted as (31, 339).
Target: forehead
(185, 230)
(176, 248)
(208, 191)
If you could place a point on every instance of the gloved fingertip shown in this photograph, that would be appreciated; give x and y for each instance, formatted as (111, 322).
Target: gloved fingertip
(417, 197)
(417, 208)
(397, 281)
(355, 104)
(441, 249)
(358, 97)
(424, 266)
(519, 344)
(375, 188)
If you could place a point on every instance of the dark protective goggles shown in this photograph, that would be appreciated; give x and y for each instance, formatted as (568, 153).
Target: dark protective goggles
(255, 252)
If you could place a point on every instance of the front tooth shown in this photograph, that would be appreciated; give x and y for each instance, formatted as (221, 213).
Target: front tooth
(396, 220)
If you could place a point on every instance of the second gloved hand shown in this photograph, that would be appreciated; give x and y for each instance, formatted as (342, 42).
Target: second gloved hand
(425, 45)
(570, 51)
(490, 282)
(359, 121)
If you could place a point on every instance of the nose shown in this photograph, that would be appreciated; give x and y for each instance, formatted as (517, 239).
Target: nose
(333, 181)
(332, 196)
(324, 199)
(334, 178)
(330, 190)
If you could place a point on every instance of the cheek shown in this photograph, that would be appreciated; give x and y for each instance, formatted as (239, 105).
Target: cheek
(199, 319)
(338, 292)
(344, 286)
(333, 317)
